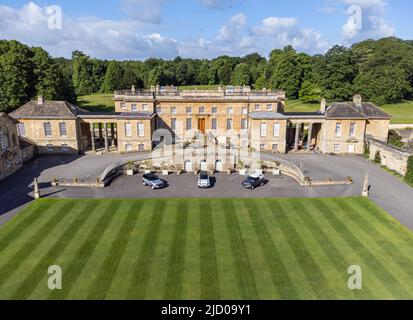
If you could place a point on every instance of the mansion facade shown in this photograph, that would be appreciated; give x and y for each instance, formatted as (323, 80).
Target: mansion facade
(255, 119)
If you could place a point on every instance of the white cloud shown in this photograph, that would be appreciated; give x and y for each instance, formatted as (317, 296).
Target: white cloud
(108, 39)
(135, 39)
(216, 4)
(366, 20)
(277, 32)
(143, 10)
(232, 29)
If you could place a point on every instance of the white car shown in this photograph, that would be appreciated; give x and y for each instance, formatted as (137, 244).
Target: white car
(203, 180)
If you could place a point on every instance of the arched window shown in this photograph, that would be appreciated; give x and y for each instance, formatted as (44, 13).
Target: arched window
(4, 139)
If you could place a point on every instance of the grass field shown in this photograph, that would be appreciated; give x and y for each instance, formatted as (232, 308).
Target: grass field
(402, 113)
(205, 248)
(97, 102)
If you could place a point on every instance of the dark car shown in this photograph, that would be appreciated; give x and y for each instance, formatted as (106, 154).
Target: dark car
(153, 180)
(253, 181)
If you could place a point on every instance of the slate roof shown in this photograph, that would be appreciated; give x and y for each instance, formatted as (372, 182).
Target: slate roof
(350, 110)
(266, 115)
(49, 109)
(117, 115)
(5, 115)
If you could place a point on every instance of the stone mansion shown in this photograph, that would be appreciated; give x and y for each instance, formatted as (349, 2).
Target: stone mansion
(255, 119)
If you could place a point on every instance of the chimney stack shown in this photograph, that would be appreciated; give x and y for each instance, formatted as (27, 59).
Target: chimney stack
(40, 100)
(357, 99)
(323, 105)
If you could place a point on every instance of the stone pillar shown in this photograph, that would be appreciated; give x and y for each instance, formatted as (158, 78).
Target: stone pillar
(112, 134)
(310, 136)
(36, 189)
(92, 137)
(105, 133)
(366, 187)
(297, 136)
(100, 133)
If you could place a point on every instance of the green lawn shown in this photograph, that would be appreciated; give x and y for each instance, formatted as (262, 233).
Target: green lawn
(402, 112)
(205, 248)
(97, 102)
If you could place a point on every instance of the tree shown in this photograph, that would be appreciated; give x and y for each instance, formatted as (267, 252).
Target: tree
(335, 73)
(241, 76)
(377, 157)
(113, 78)
(287, 71)
(46, 75)
(16, 75)
(309, 92)
(384, 84)
(83, 81)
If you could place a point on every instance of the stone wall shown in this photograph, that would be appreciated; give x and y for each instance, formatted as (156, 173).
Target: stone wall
(391, 157)
(343, 144)
(10, 156)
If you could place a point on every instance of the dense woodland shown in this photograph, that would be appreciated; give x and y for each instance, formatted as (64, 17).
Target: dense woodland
(382, 71)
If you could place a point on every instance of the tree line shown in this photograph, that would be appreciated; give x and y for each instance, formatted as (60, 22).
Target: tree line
(381, 71)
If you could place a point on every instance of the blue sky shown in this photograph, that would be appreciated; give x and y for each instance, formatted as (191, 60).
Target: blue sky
(138, 29)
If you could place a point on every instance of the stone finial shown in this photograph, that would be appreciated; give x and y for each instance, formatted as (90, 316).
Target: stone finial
(366, 186)
(323, 105)
(133, 89)
(40, 100)
(357, 99)
(36, 189)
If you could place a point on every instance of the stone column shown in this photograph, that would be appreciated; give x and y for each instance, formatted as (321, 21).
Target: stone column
(112, 134)
(105, 134)
(297, 136)
(36, 189)
(366, 187)
(100, 133)
(92, 136)
(310, 136)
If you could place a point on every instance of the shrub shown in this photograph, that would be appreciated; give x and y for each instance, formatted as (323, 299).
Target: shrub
(377, 157)
(409, 173)
(366, 150)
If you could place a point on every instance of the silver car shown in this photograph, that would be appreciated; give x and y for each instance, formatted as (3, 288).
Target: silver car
(203, 180)
(153, 180)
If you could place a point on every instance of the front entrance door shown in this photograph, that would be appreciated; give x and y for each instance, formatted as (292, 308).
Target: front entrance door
(201, 125)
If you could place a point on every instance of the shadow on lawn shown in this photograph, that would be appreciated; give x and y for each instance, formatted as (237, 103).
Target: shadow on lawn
(17, 190)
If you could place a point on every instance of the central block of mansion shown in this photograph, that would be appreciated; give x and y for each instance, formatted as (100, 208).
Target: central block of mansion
(256, 119)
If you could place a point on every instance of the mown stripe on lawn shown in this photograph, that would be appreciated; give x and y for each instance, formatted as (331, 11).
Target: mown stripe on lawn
(326, 244)
(311, 271)
(385, 244)
(279, 275)
(387, 279)
(103, 281)
(11, 266)
(208, 254)
(139, 281)
(26, 219)
(387, 221)
(73, 271)
(30, 283)
(173, 286)
(242, 265)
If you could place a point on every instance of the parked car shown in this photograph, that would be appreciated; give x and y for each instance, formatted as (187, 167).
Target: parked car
(253, 181)
(153, 180)
(203, 180)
